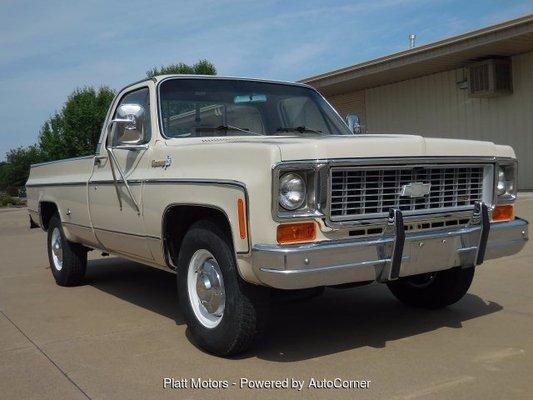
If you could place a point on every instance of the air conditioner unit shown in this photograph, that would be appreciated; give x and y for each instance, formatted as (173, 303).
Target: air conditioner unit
(490, 78)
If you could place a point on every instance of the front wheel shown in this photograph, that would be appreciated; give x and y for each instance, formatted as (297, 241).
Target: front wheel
(224, 314)
(68, 260)
(433, 290)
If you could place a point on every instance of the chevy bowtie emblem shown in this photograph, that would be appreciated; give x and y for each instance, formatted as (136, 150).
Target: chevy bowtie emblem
(415, 190)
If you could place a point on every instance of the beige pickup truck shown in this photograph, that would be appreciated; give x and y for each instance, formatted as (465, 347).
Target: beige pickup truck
(247, 188)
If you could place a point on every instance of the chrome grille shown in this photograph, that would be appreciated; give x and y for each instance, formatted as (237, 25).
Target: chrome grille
(371, 191)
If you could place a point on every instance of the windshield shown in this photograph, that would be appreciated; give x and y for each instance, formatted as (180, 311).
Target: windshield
(225, 107)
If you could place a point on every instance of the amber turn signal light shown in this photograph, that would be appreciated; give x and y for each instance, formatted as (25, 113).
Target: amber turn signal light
(242, 219)
(503, 213)
(293, 233)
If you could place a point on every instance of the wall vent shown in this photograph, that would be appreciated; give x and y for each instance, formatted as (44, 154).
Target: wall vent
(490, 78)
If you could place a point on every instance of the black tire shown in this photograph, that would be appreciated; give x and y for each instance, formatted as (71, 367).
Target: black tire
(246, 305)
(74, 257)
(436, 290)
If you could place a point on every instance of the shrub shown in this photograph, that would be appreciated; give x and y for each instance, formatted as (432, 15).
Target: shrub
(7, 201)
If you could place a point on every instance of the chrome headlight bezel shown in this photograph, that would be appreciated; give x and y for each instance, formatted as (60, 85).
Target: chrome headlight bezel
(505, 182)
(312, 205)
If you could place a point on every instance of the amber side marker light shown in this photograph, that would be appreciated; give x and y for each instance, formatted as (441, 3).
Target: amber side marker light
(242, 219)
(503, 213)
(293, 233)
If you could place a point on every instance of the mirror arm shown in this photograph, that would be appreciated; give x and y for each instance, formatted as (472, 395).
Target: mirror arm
(115, 183)
(115, 161)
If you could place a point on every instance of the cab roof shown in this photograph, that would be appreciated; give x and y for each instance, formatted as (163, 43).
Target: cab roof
(160, 78)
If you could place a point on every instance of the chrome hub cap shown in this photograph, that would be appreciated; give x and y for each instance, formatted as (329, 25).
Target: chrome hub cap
(206, 288)
(57, 249)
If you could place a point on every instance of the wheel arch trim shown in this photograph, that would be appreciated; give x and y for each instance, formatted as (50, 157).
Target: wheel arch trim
(216, 208)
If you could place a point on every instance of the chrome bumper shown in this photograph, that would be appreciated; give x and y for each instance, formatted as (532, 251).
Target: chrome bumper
(338, 262)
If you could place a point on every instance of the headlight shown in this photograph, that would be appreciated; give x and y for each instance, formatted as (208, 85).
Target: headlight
(506, 183)
(292, 191)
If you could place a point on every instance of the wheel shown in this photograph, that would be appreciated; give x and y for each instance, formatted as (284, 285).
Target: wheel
(433, 290)
(224, 314)
(68, 260)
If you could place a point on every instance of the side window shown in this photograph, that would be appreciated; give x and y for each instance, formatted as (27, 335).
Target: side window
(124, 133)
(302, 111)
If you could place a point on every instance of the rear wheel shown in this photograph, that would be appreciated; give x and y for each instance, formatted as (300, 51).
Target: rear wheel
(433, 290)
(68, 260)
(224, 314)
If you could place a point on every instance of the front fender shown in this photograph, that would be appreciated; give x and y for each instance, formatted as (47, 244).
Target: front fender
(222, 195)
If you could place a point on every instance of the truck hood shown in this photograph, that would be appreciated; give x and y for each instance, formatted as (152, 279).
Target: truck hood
(382, 145)
(366, 145)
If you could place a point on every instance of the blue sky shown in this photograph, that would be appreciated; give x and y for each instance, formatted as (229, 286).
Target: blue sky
(48, 48)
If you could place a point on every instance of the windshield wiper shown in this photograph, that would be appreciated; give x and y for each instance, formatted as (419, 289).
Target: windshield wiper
(299, 129)
(229, 127)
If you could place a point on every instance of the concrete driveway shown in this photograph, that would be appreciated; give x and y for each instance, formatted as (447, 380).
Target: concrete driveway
(120, 335)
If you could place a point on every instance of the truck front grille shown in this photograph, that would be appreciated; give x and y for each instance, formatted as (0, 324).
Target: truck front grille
(370, 192)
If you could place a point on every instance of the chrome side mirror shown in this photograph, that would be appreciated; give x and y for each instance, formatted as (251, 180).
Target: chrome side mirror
(129, 124)
(352, 120)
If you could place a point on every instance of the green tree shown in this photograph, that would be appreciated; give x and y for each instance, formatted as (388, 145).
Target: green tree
(4, 169)
(14, 172)
(202, 67)
(75, 129)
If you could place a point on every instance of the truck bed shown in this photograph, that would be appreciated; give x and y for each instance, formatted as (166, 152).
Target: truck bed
(62, 182)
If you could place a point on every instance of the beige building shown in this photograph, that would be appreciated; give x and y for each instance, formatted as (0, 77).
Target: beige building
(478, 85)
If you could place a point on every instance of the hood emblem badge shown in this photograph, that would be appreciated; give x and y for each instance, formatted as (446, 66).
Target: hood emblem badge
(167, 162)
(415, 190)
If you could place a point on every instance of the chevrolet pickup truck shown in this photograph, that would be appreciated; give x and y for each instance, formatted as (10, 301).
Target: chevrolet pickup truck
(247, 187)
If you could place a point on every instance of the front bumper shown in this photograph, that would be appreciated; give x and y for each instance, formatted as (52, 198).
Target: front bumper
(346, 261)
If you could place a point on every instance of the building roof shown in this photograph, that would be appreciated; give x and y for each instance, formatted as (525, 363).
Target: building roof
(504, 39)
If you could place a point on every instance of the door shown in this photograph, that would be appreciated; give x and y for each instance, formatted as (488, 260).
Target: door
(115, 187)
